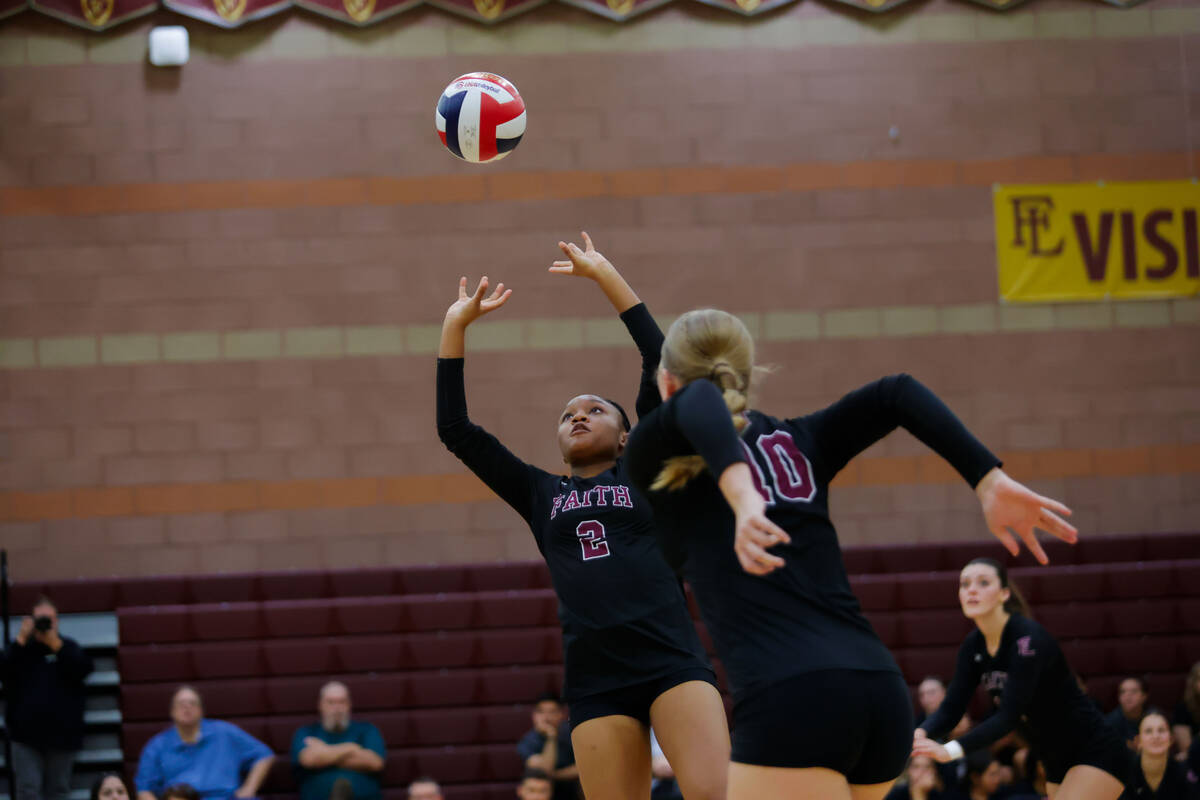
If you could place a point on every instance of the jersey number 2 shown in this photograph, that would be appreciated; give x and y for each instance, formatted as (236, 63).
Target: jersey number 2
(591, 539)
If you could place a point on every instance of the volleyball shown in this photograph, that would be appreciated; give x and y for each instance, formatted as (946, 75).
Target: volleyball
(480, 117)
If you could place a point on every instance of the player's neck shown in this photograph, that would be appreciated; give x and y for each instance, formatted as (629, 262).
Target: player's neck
(591, 469)
(992, 628)
(1154, 768)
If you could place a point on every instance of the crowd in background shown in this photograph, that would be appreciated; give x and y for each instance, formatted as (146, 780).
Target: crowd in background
(339, 757)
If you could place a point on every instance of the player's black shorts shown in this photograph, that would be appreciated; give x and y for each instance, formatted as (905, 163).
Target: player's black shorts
(633, 701)
(856, 722)
(1102, 749)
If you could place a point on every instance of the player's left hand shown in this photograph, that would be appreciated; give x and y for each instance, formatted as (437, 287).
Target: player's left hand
(1011, 508)
(928, 747)
(586, 263)
(753, 534)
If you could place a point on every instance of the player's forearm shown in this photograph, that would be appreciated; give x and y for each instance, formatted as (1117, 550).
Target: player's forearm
(617, 289)
(360, 759)
(454, 340)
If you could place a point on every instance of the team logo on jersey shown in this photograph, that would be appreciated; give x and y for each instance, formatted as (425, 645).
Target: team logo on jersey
(621, 7)
(596, 497)
(1023, 648)
(994, 681)
(97, 12)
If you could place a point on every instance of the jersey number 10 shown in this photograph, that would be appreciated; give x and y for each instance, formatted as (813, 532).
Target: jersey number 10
(791, 474)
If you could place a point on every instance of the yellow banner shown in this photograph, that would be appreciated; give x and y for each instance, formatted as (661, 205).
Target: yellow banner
(1096, 241)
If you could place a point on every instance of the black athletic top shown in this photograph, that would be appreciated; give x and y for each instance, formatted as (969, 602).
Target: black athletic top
(803, 616)
(1178, 783)
(623, 612)
(1032, 688)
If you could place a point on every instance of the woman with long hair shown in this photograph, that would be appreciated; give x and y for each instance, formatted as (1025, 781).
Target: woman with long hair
(1156, 775)
(631, 653)
(821, 709)
(1034, 692)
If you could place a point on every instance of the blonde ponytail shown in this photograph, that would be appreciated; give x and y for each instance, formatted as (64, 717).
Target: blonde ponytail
(712, 344)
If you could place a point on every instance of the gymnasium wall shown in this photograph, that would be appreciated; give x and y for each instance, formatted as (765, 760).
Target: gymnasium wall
(220, 288)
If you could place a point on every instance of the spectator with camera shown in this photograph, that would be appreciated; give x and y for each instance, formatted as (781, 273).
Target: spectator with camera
(44, 674)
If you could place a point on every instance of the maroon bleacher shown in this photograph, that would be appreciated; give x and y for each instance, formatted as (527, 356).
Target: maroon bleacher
(445, 659)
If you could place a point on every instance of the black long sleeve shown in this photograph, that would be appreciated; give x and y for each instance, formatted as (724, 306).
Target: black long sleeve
(866, 415)
(694, 420)
(649, 340)
(958, 693)
(505, 474)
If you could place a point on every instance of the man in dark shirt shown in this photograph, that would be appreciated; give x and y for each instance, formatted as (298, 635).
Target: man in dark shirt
(338, 757)
(548, 747)
(43, 676)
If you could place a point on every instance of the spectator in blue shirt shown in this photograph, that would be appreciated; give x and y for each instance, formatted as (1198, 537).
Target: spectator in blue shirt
(338, 757)
(210, 755)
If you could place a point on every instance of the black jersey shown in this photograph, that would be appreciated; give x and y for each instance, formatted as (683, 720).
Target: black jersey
(623, 612)
(1178, 783)
(802, 617)
(1032, 689)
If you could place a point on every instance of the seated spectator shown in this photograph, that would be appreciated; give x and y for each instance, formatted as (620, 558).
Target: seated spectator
(111, 786)
(1131, 705)
(930, 694)
(921, 781)
(424, 789)
(548, 747)
(1157, 775)
(535, 785)
(984, 777)
(1185, 722)
(180, 791)
(662, 781)
(1029, 776)
(207, 754)
(337, 757)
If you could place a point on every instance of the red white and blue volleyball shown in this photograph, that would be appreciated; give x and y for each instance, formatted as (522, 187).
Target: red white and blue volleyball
(480, 117)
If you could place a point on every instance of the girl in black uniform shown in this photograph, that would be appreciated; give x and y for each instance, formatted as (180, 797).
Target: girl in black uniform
(1157, 776)
(820, 708)
(631, 652)
(1022, 668)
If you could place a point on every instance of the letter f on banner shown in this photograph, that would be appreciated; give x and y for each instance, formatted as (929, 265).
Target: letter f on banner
(1031, 218)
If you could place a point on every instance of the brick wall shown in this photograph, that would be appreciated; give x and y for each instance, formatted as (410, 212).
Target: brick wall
(220, 288)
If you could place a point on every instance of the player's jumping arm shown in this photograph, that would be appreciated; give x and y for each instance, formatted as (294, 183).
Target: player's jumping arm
(868, 414)
(504, 473)
(589, 263)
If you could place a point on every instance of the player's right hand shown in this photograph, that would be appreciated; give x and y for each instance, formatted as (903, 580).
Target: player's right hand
(586, 263)
(470, 307)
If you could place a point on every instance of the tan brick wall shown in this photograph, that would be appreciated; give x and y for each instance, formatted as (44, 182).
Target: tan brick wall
(219, 294)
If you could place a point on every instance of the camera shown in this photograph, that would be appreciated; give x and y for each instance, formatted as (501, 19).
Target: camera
(42, 624)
